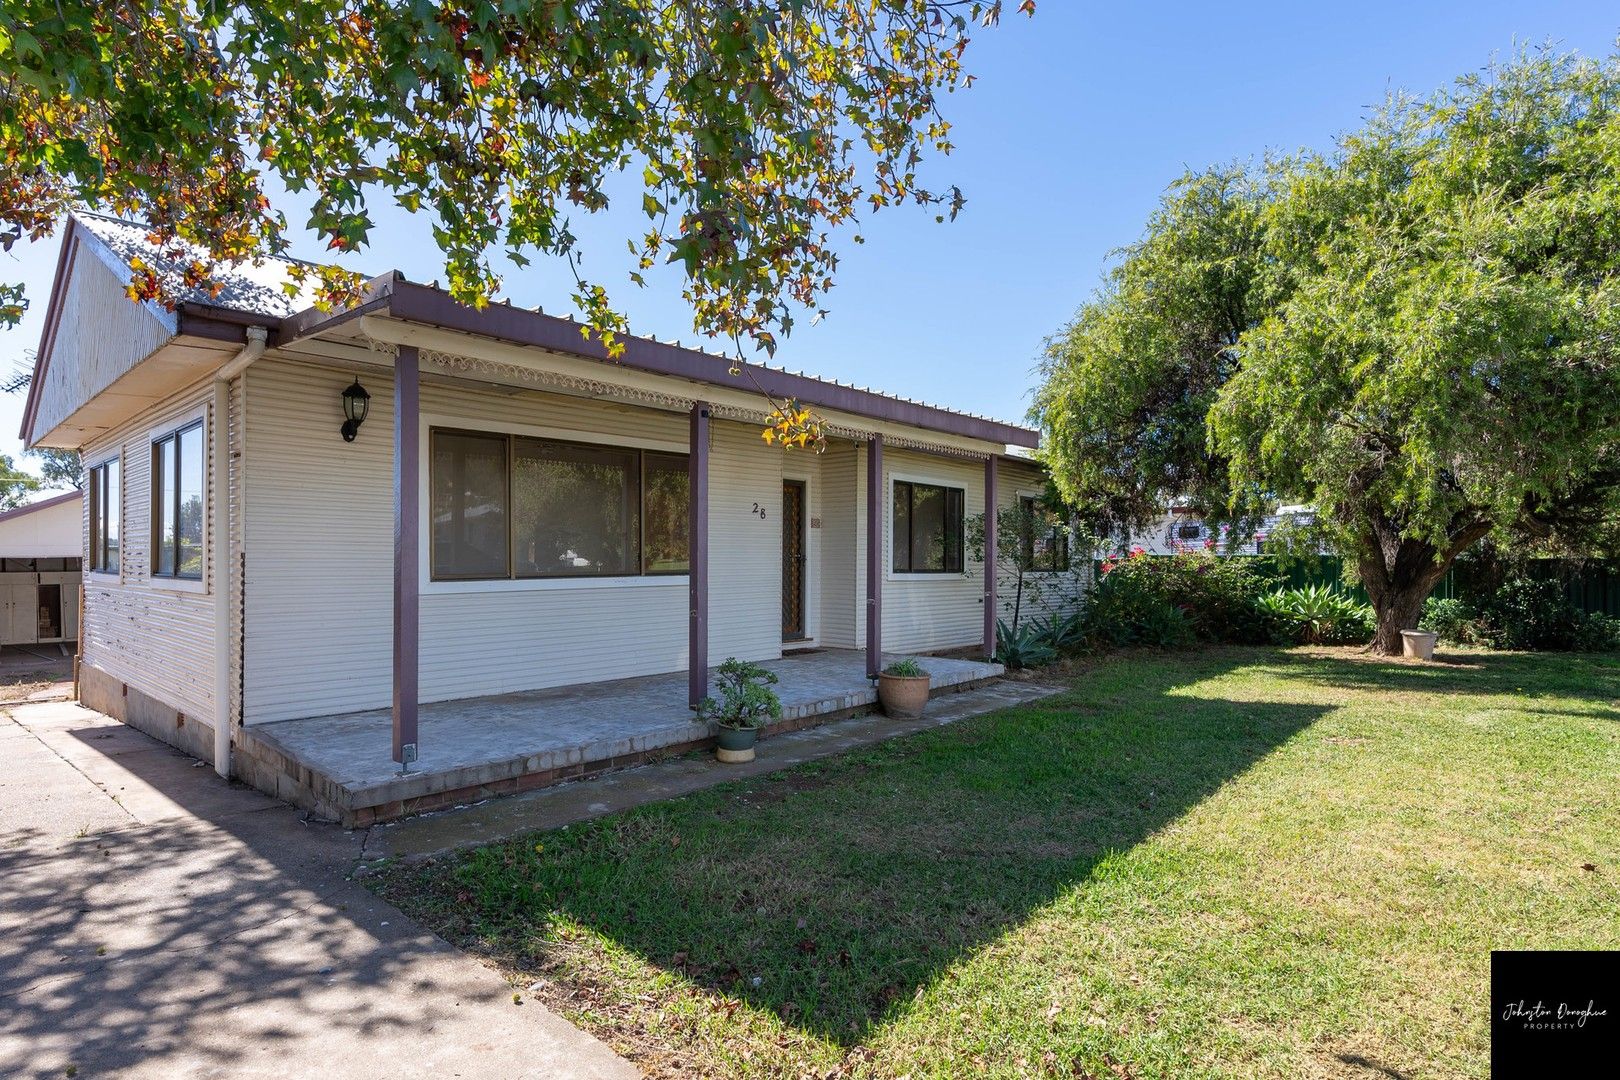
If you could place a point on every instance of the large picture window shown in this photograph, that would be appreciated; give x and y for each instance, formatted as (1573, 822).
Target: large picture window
(510, 506)
(1045, 543)
(927, 534)
(105, 504)
(177, 503)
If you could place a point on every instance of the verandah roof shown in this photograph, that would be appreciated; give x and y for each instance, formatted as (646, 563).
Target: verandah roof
(250, 297)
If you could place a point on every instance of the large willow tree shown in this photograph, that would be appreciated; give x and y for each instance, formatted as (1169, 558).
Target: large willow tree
(1416, 333)
(757, 129)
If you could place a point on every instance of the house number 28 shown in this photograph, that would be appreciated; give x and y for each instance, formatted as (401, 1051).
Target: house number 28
(760, 510)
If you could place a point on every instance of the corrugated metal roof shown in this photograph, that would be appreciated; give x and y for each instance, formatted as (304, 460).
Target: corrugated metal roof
(257, 287)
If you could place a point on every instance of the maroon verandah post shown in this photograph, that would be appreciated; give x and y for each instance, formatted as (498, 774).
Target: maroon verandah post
(697, 475)
(407, 549)
(990, 553)
(874, 556)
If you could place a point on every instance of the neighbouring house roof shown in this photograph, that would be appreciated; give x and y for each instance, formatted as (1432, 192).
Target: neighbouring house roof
(253, 296)
(42, 504)
(50, 528)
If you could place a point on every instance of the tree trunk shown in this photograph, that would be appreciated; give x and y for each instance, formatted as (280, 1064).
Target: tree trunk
(1018, 601)
(1400, 610)
(1400, 573)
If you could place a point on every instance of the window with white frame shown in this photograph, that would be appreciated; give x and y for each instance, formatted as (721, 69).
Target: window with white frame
(177, 503)
(512, 506)
(104, 495)
(927, 528)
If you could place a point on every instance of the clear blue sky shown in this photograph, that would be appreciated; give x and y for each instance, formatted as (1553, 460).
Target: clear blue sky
(1079, 119)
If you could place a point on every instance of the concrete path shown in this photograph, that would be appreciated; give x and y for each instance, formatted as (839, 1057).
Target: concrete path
(156, 921)
(552, 807)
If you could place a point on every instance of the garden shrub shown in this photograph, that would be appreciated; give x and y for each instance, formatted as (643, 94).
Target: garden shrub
(1522, 613)
(1596, 632)
(1318, 615)
(1452, 620)
(1175, 599)
(1065, 633)
(1526, 613)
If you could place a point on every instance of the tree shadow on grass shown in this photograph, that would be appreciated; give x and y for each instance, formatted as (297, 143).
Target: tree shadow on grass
(1590, 678)
(831, 893)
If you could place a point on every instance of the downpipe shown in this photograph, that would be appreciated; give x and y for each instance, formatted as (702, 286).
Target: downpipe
(220, 527)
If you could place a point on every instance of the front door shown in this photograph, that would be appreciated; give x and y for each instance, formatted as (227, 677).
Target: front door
(793, 560)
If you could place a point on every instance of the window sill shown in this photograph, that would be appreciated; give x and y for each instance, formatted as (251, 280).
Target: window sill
(563, 584)
(177, 585)
(894, 575)
(102, 577)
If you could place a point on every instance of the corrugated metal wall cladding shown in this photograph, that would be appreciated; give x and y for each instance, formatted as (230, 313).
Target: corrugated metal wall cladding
(320, 556)
(158, 640)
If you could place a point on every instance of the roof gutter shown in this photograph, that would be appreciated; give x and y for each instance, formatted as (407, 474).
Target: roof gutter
(220, 530)
(426, 305)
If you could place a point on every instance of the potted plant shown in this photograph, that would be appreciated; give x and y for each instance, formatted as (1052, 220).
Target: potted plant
(747, 703)
(903, 689)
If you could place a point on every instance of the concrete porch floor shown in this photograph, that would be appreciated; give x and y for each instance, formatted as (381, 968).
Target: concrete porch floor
(476, 748)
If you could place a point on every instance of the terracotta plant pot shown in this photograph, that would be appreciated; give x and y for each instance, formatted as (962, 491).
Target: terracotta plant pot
(1418, 644)
(736, 745)
(903, 696)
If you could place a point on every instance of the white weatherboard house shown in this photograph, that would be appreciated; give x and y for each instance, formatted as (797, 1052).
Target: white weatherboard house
(517, 567)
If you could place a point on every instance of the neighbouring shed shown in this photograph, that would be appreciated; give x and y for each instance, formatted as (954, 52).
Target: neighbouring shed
(41, 547)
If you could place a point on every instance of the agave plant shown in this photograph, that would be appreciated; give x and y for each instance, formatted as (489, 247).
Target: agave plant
(1318, 615)
(1022, 648)
(1065, 633)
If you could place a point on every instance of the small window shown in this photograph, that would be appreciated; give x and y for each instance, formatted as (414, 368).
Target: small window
(1045, 542)
(177, 504)
(927, 529)
(1189, 532)
(105, 502)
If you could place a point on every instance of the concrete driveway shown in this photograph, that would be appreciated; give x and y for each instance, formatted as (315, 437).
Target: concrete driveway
(156, 921)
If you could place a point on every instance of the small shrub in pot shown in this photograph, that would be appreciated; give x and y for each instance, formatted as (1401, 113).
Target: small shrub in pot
(746, 704)
(903, 689)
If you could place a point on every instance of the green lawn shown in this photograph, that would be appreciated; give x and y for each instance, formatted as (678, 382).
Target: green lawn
(1220, 863)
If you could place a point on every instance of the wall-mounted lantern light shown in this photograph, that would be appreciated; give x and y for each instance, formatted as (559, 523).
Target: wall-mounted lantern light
(355, 403)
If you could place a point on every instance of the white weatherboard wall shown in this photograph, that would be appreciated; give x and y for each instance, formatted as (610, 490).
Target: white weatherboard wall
(840, 555)
(155, 635)
(319, 554)
(1046, 592)
(745, 547)
(927, 612)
